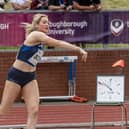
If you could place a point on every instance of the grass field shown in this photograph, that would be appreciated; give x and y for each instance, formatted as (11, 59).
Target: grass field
(115, 4)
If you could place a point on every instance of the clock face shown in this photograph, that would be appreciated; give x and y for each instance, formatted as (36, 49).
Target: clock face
(110, 89)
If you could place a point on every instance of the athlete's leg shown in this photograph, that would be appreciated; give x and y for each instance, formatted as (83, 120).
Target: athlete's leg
(10, 93)
(31, 97)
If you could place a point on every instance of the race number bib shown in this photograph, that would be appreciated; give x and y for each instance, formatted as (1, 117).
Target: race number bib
(36, 57)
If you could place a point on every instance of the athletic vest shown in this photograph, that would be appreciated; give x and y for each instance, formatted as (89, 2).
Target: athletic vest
(30, 54)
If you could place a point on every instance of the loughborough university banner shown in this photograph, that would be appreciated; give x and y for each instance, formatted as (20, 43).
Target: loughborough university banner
(86, 27)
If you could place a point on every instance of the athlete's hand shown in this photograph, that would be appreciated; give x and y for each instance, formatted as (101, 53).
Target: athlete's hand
(84, 55)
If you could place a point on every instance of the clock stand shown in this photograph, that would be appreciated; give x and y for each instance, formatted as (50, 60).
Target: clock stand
(110, 92)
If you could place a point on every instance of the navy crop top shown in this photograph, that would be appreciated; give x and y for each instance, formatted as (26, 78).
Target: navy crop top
(30, 54)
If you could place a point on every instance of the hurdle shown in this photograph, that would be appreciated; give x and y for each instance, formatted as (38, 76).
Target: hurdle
(72, 75)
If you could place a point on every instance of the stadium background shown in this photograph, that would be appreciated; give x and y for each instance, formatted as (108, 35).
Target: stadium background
(99, 62)
(53, 77)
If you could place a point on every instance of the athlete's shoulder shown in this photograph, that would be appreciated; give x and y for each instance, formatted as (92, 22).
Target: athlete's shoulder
(37, 33)
(36, 37)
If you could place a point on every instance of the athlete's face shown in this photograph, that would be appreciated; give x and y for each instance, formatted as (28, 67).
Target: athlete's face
(43, 25)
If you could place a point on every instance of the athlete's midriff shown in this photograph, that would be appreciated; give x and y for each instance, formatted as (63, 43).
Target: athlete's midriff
(23, 66)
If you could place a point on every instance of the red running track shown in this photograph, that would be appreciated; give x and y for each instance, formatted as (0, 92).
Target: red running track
(65, 113)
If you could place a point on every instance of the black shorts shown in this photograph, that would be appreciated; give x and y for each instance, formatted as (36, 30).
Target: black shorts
(19, 77)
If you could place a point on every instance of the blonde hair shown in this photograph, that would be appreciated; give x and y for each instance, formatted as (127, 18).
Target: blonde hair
(30, 27)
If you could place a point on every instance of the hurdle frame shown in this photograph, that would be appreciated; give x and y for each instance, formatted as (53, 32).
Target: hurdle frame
(72, 60)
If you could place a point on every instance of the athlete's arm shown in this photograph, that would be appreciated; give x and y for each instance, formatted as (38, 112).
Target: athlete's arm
(40, 37)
